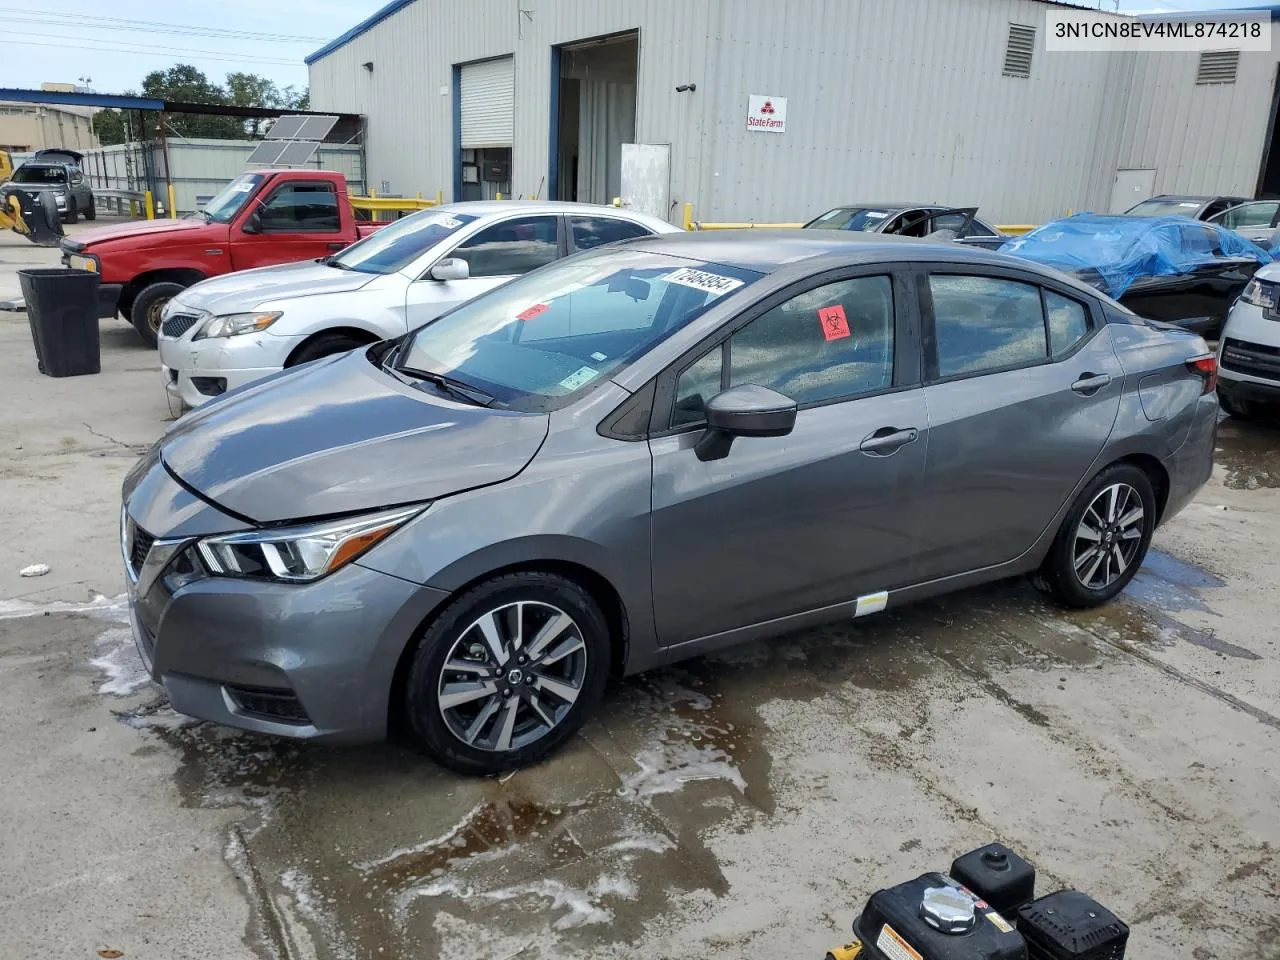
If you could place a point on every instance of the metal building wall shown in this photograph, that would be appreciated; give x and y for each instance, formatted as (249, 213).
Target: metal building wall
(886, 101)
(1205, 139)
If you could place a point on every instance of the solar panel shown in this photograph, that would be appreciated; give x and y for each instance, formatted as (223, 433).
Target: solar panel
(267, 152)
(315, 128)
(285, 128)
(297, 152)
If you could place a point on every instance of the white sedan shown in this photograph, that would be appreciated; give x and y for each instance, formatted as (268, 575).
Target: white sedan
(232, 330)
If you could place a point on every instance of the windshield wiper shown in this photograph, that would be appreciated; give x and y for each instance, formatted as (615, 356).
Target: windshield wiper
(332, 261)
(454, 388)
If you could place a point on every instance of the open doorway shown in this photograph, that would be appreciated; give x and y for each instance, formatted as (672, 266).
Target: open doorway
(1269, 170)
(593, 115)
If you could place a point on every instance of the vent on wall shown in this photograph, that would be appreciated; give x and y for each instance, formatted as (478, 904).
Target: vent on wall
(1018, 49)
(1218, 66)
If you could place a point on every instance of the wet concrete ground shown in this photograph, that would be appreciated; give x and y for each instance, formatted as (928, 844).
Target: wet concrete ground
(737, 806)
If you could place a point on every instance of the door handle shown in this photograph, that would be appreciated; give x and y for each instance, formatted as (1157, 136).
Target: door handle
(887, 440)
(1090, 383)
(336, 246)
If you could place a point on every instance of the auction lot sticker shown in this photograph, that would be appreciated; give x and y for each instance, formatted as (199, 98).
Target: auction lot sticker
(711, 283)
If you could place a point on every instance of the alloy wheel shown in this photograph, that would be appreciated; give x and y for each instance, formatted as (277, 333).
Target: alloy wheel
(155, 313)
(512, 676)
(1108, 536)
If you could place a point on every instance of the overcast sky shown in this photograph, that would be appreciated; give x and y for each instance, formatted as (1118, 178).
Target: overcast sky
(46, 40)
(117, 43)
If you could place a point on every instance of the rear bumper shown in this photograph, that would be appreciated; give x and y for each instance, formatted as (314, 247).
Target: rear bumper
(1190, 467)
(109, 299)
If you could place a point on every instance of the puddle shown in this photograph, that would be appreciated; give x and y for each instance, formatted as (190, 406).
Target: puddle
(1250, 452)
(376, 852)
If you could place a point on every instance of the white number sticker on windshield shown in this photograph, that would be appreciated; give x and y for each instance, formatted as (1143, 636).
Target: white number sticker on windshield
(243, 187)
(449, 223)
(876, 215)
(711, 283)
(579, 377)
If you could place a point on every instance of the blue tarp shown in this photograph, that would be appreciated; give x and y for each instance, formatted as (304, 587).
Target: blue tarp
(1122, 249)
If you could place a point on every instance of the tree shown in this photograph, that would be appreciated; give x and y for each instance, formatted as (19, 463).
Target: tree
(185, 82)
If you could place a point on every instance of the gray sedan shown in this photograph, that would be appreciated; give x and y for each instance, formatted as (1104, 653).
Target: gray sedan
(644, 453)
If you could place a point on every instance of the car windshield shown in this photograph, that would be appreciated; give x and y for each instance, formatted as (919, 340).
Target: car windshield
(867, 219)
(537, 342)
(233, 196)
(1164, 207)
(395, 247)
(32, 174)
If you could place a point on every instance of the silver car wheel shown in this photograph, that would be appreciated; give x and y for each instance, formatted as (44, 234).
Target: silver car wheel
(1108, 536)
(512, 676)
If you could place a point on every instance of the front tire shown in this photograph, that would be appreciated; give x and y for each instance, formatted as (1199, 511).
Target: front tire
(325, 345)
(73, 213)
(1103, 539)
(507, 672)
(91, 212)
(147, 307)
(1236, 408)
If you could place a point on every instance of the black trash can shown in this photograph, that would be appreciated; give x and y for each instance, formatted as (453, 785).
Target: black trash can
(62, 308)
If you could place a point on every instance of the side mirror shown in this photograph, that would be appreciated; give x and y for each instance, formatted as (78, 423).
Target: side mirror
(450, 268)
(253, 222)
(77, 178)
(745, 411)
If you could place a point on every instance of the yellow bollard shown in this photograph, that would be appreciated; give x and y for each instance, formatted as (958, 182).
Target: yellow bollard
(149, 203)
(173, 205)
(688, 216)
(497, 196)
(133, 208)
(439, 197)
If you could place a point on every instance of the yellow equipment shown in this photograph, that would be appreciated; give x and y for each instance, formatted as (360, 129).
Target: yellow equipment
(849, 951)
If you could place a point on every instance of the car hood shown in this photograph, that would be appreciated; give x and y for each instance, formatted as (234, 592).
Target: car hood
(142, 228)
(340, 436)
(247, 289)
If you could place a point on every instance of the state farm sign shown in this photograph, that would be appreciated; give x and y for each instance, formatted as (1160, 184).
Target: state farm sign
(766, 114)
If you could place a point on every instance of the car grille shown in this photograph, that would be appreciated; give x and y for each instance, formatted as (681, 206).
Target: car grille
(178, 324)
(139, 546)
(279, 706)
(1251, 358)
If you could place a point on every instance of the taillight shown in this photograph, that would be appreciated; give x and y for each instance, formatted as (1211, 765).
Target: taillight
(1206, 367)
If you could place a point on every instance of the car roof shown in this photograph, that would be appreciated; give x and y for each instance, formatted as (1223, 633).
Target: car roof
(488, 208)
(766, 251)
(896, 205)
(1188, 197)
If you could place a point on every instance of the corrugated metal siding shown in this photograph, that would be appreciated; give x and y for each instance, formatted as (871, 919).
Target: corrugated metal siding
(1199, 138)
(900, 100)
(488, 103)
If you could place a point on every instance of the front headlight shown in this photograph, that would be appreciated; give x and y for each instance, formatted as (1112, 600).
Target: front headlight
(1259, 293)
(79, 261)
(299, 554)
(234, 324)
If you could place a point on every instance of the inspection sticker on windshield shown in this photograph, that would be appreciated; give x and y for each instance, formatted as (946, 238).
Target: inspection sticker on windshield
(579, 377)
(528, 313)
(711, 283)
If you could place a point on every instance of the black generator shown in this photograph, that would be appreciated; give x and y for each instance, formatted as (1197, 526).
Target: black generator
(985, 908)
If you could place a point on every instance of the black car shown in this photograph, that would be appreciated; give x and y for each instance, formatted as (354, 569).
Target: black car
(912, 220)
(1178, 205)
(1167, 268)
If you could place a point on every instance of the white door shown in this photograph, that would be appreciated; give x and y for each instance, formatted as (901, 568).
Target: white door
(488, 103)
(1131, 187)
(646, 178)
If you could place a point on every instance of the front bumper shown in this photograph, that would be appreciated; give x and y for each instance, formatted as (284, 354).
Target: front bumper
(306, 661)
(109, 300)
(195, 371)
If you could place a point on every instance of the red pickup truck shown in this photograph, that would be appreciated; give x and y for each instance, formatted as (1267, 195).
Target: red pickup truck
(261, 218)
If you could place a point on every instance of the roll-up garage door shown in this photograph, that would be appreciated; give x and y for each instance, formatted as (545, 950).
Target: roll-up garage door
(488, 103)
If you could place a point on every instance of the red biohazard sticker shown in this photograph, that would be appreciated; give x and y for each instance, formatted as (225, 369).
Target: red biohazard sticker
(530, 312)
(835, 326)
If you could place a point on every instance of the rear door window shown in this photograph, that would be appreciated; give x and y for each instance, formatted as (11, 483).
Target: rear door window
(983, 324)
(589, 232)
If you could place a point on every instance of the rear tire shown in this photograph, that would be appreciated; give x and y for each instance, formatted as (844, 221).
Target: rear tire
(73, 213)
(325, 345)
(507, 712)
(1103, 539)
(1236, 408)
(147, 307)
